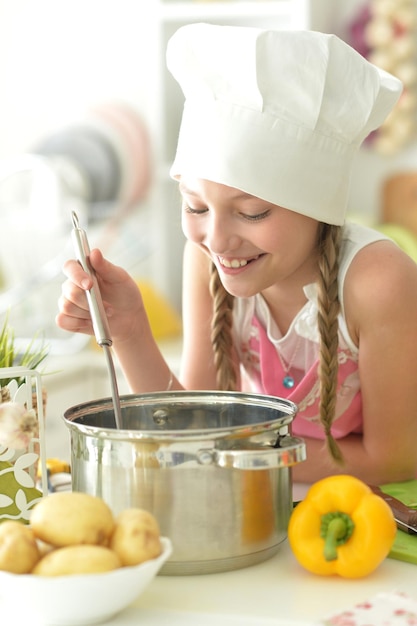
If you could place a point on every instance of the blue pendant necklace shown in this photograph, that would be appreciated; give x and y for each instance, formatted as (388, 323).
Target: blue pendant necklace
(288, 380)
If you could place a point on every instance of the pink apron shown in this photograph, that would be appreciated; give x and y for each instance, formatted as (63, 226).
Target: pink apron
(266, 373)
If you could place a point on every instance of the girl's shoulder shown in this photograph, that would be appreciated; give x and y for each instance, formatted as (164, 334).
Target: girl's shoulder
(355, 237)
(371, 260)
(368, 252)
(380, 280)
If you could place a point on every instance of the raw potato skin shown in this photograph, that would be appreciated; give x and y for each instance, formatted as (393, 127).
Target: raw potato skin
(72, 518)
(19, 551)
(136, 537)
(72, 560)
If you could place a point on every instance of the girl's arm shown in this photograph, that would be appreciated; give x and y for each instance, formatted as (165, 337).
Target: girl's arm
(381, 310)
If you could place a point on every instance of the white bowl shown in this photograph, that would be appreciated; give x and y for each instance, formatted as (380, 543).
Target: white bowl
(75, 600)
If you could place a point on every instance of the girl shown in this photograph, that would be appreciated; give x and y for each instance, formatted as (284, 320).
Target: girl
(281, 295)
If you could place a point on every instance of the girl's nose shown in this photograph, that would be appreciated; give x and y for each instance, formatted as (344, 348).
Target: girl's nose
(221, 235)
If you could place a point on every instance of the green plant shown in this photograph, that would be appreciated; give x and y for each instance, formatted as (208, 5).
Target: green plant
(32, 356)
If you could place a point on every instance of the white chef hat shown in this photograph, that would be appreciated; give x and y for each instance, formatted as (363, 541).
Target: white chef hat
(276, 114)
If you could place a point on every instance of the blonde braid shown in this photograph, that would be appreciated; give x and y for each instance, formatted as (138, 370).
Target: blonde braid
(328, 310)
(221, 333)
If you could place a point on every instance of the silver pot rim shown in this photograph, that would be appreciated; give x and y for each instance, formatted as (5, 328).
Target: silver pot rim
(287, 408)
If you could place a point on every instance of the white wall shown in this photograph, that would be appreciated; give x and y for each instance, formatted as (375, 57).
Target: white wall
(58, 57)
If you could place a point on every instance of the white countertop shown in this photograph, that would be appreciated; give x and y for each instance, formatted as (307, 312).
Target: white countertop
(278, 591)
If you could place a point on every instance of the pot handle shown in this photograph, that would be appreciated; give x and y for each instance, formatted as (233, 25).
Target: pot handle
(290, 451)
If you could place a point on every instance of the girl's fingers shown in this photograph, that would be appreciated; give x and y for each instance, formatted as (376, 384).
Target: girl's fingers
(74, 324)
(68, 307)
(73, 300)
(75, 273)
(73, 318)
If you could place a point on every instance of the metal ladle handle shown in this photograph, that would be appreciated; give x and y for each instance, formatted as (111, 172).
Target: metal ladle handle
(95, 303)
(97, 312)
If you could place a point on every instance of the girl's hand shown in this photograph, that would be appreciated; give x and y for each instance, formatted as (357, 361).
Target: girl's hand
(121, 298)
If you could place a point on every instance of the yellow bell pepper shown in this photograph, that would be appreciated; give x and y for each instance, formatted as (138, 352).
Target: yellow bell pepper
(341, 527)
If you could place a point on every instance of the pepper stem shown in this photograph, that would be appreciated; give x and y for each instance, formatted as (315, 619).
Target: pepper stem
(336, 528)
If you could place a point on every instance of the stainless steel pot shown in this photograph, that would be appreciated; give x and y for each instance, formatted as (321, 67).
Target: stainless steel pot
(213, 467)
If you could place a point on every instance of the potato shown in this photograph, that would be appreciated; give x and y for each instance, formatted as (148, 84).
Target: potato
(19, 551)
(81, 559)
(71, 518)
(136, 536)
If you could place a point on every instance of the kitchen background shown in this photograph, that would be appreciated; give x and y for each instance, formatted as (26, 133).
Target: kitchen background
(88, 122)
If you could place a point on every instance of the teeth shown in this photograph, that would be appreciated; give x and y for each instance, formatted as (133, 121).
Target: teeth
(235, 263)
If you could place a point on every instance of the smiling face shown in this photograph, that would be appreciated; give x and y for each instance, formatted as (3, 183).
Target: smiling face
(254, 244)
